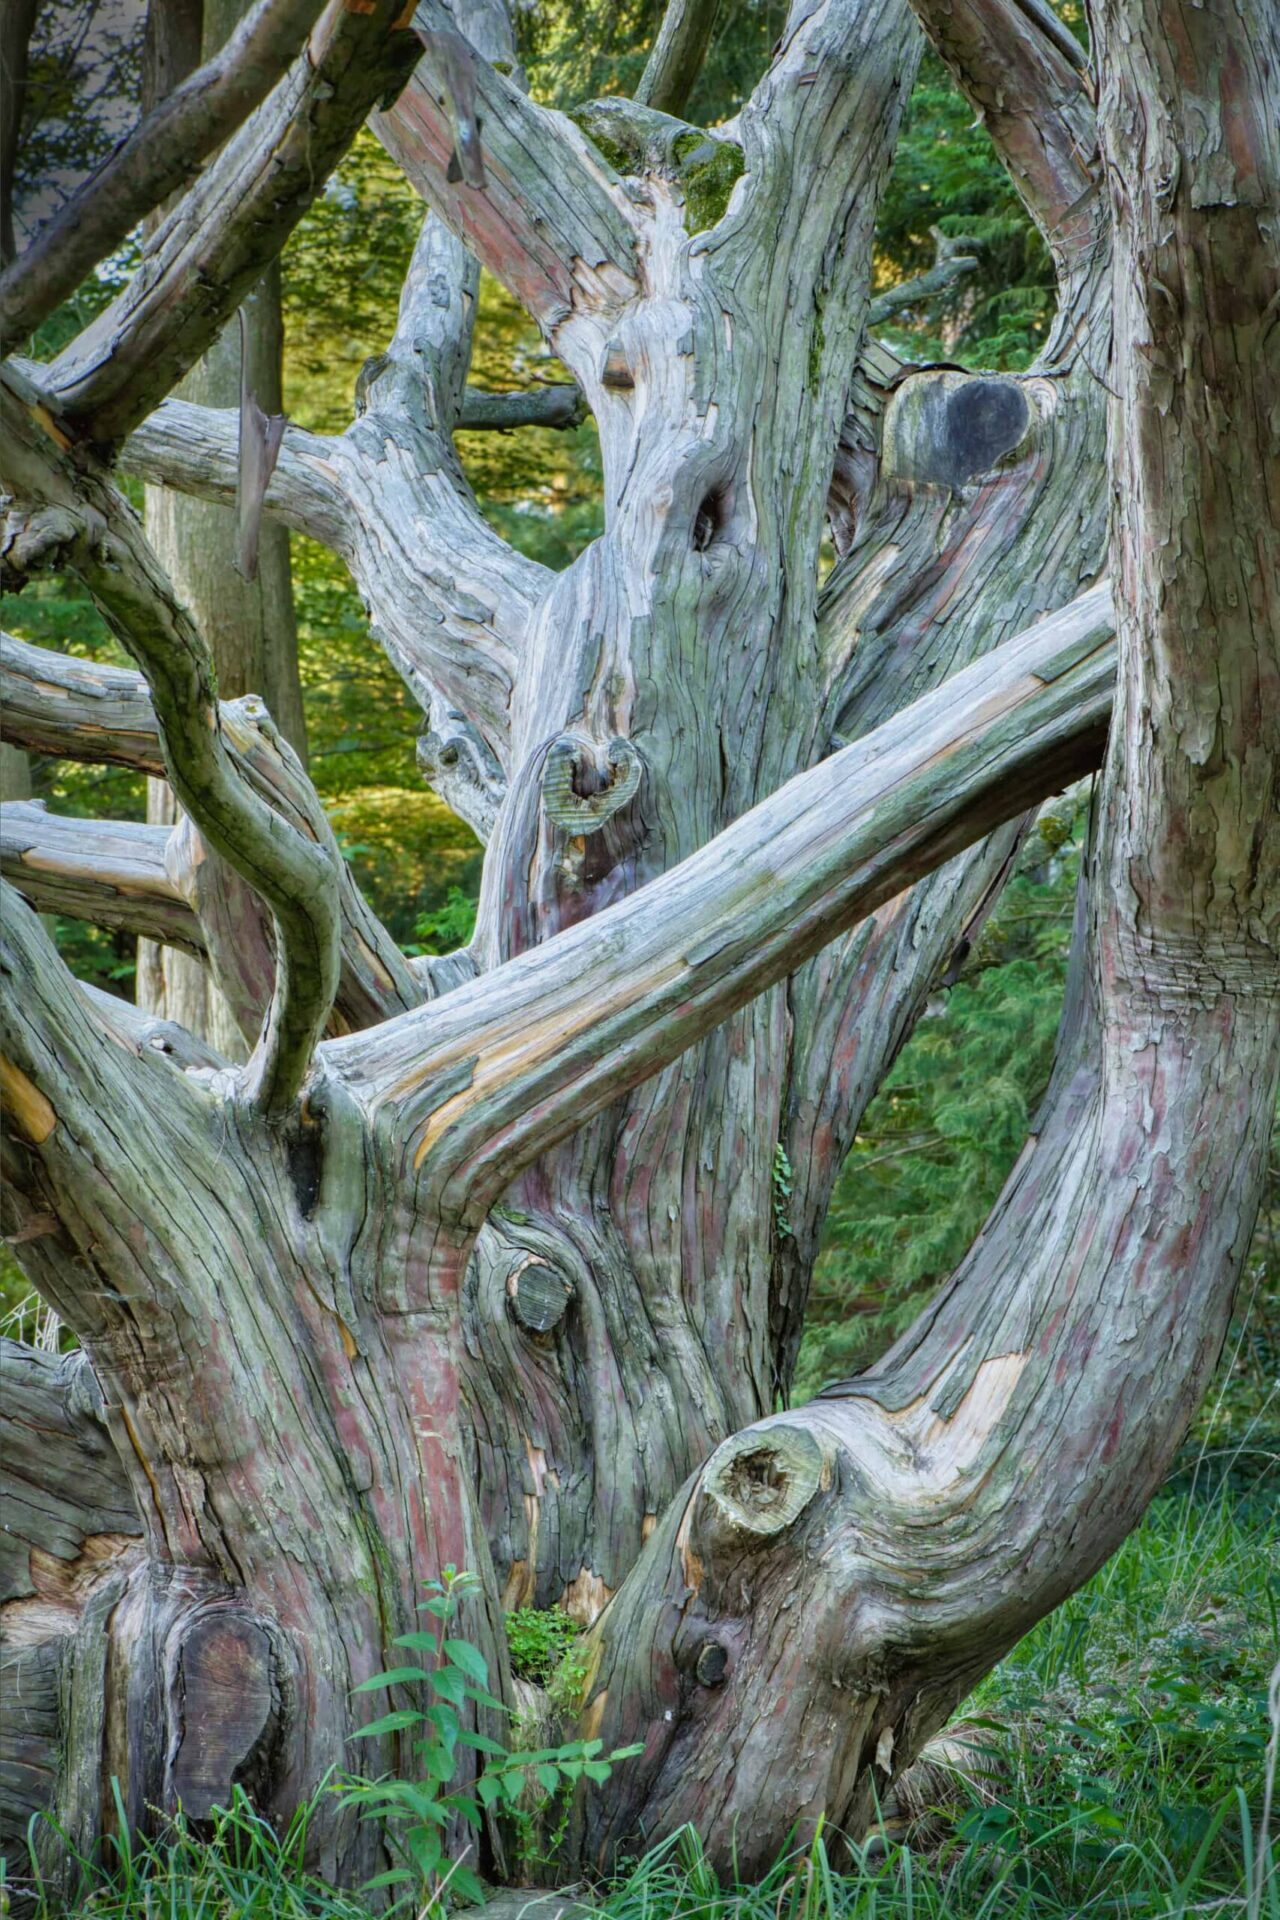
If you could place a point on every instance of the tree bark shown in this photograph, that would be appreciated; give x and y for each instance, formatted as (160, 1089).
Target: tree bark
(502, 1276)
(860, 1563)
(249, 624)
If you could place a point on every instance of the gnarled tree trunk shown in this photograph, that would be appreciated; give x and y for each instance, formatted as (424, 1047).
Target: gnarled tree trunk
(482, 1260)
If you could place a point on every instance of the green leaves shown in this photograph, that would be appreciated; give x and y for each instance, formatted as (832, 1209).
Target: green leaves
(394, 1677)
(389, 1723)
(418, 1814)
(468, 1658)
(538, 1639)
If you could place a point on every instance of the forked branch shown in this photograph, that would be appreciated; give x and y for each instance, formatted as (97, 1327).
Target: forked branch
(450, 600)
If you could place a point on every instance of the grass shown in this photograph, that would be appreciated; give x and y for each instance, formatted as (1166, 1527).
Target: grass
(1131, 1730)
(1131, 1734)
(239, 1869)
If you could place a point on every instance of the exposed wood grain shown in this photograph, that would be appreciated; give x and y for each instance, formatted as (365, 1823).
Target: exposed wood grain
(157, 157)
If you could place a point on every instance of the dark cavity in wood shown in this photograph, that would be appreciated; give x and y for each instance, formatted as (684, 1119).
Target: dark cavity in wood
(975, 426)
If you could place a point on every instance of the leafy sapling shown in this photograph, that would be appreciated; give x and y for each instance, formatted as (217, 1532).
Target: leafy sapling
(417, 1815)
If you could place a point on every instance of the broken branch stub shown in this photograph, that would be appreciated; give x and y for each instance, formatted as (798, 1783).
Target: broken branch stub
(754, 1487)
(585, 783)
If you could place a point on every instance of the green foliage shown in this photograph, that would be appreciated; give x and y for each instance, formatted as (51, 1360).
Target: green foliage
(342, 272)
(946, 175)
(446, 927)
(581, 52)
(538, 1639)
(947, 180)
(1127, 1739)
(234, 1867)
(940, 1138)
(417, 1815)
(542, 488)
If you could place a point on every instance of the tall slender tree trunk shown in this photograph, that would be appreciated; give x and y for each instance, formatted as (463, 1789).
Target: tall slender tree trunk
(249, 624)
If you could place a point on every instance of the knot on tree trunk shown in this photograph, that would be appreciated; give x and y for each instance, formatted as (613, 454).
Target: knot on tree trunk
(950, 429)
(586, 782)
(456, 762)
(539, 1293)
(755, 1486)
(227, 1714)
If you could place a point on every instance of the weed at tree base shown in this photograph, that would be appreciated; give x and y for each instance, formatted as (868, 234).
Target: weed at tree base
(1132, 1731)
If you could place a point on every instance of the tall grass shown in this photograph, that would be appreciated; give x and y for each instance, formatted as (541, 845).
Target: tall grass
(236, 1868)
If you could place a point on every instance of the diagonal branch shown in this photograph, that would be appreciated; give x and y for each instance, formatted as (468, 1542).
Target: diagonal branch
(84, 710)
(675, 61)
(77, 515)
(1030, 83)
(478, 1085)
(925, 286)
(549, 220)
(213, 247)
(160, 155)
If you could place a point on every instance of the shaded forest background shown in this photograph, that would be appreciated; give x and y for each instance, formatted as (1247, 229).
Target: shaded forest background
(936, 1145)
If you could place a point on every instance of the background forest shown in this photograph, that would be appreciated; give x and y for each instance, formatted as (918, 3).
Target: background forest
(1146, 1796)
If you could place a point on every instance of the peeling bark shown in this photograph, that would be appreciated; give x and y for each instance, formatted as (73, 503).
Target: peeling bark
(499, 1279)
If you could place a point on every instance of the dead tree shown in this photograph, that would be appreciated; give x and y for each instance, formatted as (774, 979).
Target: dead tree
(478, 1260)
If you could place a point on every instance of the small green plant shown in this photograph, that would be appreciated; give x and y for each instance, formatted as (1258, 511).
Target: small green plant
(447, 927)
(418, 1815)
(538, 1638)
(234, 1864)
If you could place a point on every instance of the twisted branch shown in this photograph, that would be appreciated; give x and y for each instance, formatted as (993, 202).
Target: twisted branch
(78, 517)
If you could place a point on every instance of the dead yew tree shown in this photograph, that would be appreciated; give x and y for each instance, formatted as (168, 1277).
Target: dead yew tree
(477, 1260)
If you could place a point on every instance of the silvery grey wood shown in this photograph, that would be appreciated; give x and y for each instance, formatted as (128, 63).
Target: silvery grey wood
(487, 1252)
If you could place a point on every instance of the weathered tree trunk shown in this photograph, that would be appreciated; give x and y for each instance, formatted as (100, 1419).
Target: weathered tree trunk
(249, 624)
(859, 1564)
(481, 1260)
